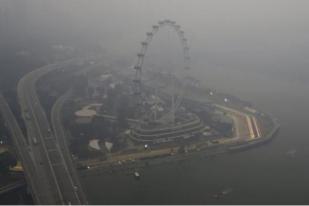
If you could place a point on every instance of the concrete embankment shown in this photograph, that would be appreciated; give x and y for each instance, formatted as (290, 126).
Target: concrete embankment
(129, 167)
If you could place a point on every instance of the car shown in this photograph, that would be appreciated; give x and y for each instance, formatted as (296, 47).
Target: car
(215, 141)
(27, 116)
(34, 140)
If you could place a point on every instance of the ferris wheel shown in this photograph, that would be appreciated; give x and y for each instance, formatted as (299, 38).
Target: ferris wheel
(176, 89)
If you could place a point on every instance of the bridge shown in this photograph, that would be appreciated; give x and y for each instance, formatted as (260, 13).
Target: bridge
(49, 172)
(40, 194)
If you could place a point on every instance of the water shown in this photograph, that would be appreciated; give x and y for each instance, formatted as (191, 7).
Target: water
(16, 197)
(257, 50)
(263, 175)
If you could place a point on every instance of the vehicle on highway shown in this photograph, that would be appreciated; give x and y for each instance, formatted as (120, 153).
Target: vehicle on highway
(215, 141)
(27, 116)
(34, 140)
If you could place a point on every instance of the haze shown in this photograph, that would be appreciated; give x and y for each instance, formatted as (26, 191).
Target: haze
(256, 50)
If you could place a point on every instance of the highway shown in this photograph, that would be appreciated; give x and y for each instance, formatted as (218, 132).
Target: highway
(40, 193)
(60, 134)
(48, 156)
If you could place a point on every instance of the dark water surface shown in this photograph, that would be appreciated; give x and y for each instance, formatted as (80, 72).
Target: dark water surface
(19, 196)
(263, 175)
(256, 50)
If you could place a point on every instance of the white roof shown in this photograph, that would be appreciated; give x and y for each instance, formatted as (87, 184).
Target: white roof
(85, 113)
(94, 143)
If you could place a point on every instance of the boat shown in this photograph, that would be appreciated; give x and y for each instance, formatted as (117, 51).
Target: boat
(291, 152)
(137, 175)
(222, 193)
(226, 191)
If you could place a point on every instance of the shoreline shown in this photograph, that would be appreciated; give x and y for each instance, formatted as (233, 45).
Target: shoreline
(214, 150)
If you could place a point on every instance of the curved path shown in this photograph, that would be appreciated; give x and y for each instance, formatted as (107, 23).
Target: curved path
(61, 137)
(47, 155)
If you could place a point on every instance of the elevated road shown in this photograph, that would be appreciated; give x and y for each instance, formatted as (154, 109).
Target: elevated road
(41, 193)
(61, 137)
(48, 157)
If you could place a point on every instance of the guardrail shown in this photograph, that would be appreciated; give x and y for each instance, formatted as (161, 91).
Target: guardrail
(12, 186)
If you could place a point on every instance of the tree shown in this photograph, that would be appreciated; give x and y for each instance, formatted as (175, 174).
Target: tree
(7, 160)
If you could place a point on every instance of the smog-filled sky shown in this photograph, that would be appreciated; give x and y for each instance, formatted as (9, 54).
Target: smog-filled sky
(265, 38)
(241, 33)
(256, 50)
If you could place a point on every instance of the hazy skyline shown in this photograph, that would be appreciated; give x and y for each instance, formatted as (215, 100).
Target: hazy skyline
(256, 50)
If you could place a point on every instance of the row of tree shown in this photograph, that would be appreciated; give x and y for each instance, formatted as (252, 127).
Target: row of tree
(7, 160)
